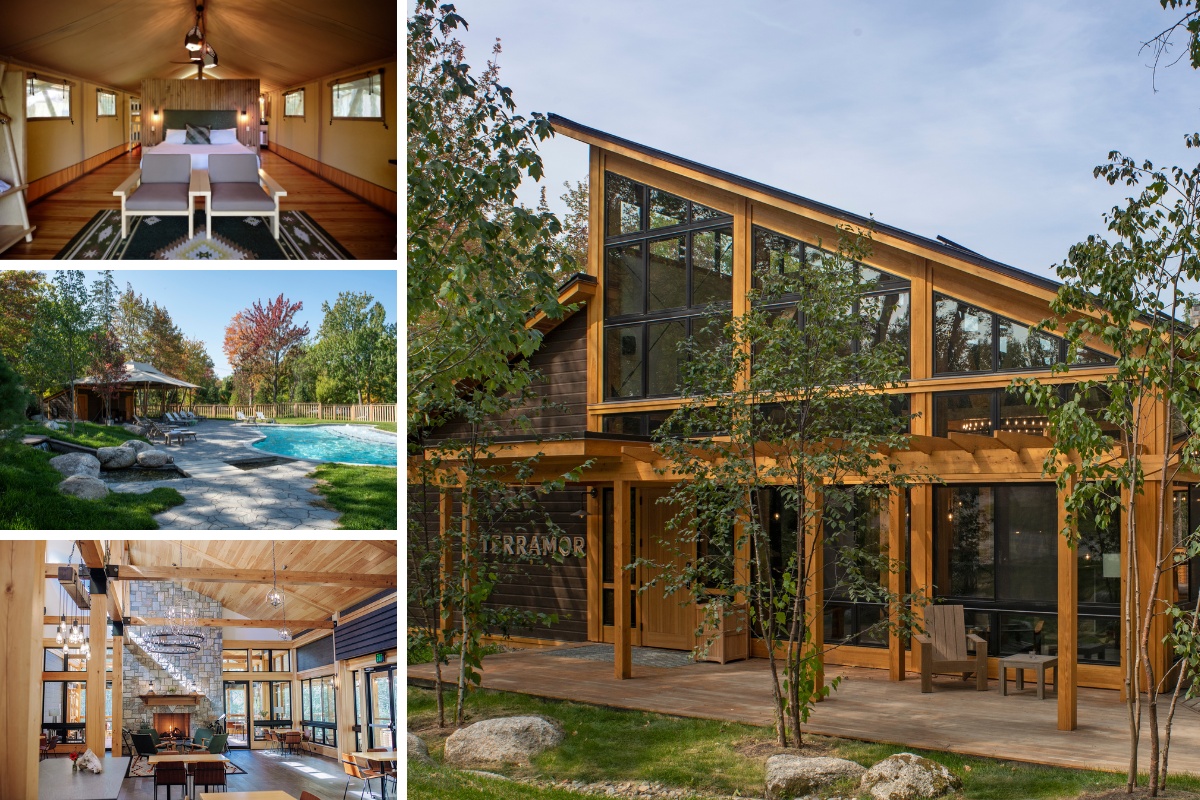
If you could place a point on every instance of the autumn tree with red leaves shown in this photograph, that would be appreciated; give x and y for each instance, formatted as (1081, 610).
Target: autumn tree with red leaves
(107, 367)
(258, 339)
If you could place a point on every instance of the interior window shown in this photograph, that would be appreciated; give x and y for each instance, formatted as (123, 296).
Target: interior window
(47, 99)
(359, 99)
(293, 103)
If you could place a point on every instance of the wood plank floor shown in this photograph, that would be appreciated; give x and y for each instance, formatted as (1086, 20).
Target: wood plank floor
(866, 706)
(364, 230)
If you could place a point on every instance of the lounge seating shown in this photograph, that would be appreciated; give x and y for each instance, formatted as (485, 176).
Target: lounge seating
(159, 744)
(161, 187)
(192, 416)
(179, 419)
(258, 415)
(944, 648)
(218, 744)
(242, 418)
(200, 740)
(239, 188)
(143, 745)
(167, 434)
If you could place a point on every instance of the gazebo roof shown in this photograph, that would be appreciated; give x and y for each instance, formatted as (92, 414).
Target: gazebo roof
(140, 372)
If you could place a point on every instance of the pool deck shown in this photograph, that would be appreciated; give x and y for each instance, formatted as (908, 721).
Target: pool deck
(222, 497)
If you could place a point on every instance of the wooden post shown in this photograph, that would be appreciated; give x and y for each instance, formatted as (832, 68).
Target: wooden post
(895, 552)
(595, 268)
(814, 588)
(445, 512)
(118, 719)
(622, 645)
(22, 593)
(921, 509)
(94, 730)
(1066, 675)
(594, 566)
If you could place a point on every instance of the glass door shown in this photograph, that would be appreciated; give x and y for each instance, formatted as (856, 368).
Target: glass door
(381, 706)
(237, 696)
(272, 702)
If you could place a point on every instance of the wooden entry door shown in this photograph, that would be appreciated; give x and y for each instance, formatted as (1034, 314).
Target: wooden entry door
(667, 620)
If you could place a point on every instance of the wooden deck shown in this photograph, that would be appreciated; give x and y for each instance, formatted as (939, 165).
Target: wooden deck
(867, 706)
(364, 230)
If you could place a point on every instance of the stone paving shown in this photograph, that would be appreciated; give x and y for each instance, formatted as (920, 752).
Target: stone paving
(222, 497)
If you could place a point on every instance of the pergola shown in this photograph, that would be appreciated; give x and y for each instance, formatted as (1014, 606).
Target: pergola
(144, 375)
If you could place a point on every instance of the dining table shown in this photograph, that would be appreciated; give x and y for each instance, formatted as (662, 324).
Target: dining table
(268, 795)
(380, 757)
(186, 758)
(57, 781)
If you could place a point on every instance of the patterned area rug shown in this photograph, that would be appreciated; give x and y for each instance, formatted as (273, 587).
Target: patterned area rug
(144, 770)
(232, 238)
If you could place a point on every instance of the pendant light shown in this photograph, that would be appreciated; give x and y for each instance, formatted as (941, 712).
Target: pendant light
(273, 596)
(283, 631)
(210, 56)
(195, 39)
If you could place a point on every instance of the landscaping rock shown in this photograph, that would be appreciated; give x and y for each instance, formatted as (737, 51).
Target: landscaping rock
(153, 458)
(136, 430)
(85, 487)
(76, 464)
(505, 740)
(790, 776)
(52, 425)
(483, 774)
(116, 457)
(137, 445)
(417, 751)
(906, 776)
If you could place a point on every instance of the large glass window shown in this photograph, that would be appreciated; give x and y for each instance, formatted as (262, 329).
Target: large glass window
(319, 710)
(64, 709)
(361, 98)
(47, 99)
(270, 661)
(54, 659)
(235, 661)
(855, 541)
(272, 707)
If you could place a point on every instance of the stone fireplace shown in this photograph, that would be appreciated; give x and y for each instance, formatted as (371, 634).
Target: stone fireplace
(173, 724)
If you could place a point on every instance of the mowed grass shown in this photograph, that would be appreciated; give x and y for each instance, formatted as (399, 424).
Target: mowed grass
(30, 500)
(365, 496)
(704, 756)
(87, 434)
(385, 426)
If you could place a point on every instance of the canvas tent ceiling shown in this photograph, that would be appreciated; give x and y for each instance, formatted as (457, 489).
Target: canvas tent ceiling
(139, 372)
(120, 43)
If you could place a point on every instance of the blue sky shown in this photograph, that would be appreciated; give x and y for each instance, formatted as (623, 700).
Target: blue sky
(977, 121)
(201, 303)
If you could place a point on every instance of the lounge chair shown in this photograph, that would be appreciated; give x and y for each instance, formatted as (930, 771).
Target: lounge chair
(258, 415)
(199, 741)
(179, 419)
(168, 433)
(189, 415)
(239, 188)
(242, 418)
(944, 648)
(164, 186)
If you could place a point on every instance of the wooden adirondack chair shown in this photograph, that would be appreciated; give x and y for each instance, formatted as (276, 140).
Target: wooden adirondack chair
(944, 648)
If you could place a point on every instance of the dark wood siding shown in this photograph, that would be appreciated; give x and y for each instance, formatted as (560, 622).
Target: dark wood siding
(371, 633)
(562, 363)
(423, 522)
(315, 654)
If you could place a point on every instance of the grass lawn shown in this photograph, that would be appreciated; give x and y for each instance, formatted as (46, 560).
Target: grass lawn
(385, 426)
(86, 433)
(29, 499)
(366, 496)
(705, 756)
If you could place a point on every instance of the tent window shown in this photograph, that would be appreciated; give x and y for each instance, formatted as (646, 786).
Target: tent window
(106, 104)
(359, 99)
(47, 99)
(293, 103)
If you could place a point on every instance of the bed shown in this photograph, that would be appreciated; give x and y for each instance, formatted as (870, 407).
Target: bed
(175, 119)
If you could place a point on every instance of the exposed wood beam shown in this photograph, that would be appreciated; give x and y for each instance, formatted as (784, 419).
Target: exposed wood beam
(1022, 441)
(384, 545)
(261, 576)
(931, 444)
(641, 453)
(973, 444)
(92, 552)
(206, 622)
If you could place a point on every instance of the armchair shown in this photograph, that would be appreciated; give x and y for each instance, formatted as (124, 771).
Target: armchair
(943, 648)
(239, 188)
(162, 187)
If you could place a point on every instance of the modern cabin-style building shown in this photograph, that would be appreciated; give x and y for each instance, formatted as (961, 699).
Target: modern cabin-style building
(669, 238)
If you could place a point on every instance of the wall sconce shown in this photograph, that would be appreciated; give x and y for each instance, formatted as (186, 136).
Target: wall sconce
(246, 119)
(582, 513)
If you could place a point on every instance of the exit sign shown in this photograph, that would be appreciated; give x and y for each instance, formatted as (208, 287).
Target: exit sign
(379, 658)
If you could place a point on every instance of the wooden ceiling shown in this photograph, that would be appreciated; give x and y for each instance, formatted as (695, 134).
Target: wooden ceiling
(120, 43)
(249, 600)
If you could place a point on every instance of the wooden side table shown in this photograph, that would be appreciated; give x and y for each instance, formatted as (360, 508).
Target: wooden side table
(200, 187)
(1024, 661)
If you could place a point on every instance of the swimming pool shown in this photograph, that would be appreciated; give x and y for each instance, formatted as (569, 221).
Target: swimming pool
(347, 444)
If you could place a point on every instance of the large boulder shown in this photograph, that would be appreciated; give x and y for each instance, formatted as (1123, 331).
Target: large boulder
(137, 445)
(85, 487)
(52, 425)
(790, 776)
(136, 430)
(116, 457)
(77, 464)
(907, 776)
(505, 740)
(417, 751)
(153, 458)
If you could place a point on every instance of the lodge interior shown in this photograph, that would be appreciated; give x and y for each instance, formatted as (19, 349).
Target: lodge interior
(206, 666)
(311, 88)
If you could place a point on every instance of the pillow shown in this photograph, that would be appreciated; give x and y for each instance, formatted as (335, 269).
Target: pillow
(175, 136)
(223, 136)
(197, 134)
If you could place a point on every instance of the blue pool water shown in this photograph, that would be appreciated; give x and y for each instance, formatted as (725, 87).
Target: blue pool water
(349, 444)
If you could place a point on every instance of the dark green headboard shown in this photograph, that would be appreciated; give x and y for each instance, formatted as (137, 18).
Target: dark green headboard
(175, 119)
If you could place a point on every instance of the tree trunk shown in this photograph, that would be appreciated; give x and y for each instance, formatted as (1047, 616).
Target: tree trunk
(1180, 680)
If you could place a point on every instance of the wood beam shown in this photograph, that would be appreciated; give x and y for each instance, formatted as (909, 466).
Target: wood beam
(622, 644)
(1066, 677)
(932, 444)
(118, 692)
(895, 545)
(208, 622)
(261, 576)
(22, 593)
(973, 444)
(92, 552)
(382, 545)
(97, 634)
(814, 583)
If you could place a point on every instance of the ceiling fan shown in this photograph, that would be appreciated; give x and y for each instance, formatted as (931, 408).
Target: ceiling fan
(200, 51)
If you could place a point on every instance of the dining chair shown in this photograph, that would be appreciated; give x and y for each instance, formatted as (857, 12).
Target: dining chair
(352, 769)
(170, 774)
(209, 774)
(308, 796)
(388, 769)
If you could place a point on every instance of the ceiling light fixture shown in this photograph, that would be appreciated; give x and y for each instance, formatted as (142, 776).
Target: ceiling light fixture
(182, 634)
(210, 56)
(273, 596)
(195, 38)
(283, 631)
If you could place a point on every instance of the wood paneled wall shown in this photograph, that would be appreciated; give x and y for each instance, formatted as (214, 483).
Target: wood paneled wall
(44, 186)
(205, 95)
(372, 193)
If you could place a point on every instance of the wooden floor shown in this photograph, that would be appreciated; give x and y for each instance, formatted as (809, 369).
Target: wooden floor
(364, 230)
(866, 706)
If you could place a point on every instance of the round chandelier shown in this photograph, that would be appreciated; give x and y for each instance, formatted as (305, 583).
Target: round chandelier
(182, 634)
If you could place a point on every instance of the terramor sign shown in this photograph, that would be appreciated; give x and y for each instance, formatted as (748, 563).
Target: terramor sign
(535, 545)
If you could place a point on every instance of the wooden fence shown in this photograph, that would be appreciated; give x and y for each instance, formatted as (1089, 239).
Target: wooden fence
(374, 412)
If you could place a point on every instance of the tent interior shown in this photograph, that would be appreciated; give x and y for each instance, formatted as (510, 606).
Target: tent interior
(88, 86)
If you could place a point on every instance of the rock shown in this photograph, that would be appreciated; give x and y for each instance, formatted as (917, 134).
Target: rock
(137, 445)
(85, 487)
(483, 774)
(136, 430)
(116, 457)
(505, 740)
(906, 776)
(76, 464)
(153, 458)
(417, 751)
(52, 425)
(789, 776)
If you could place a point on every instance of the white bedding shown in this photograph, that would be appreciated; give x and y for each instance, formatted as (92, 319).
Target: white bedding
(199, 152)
